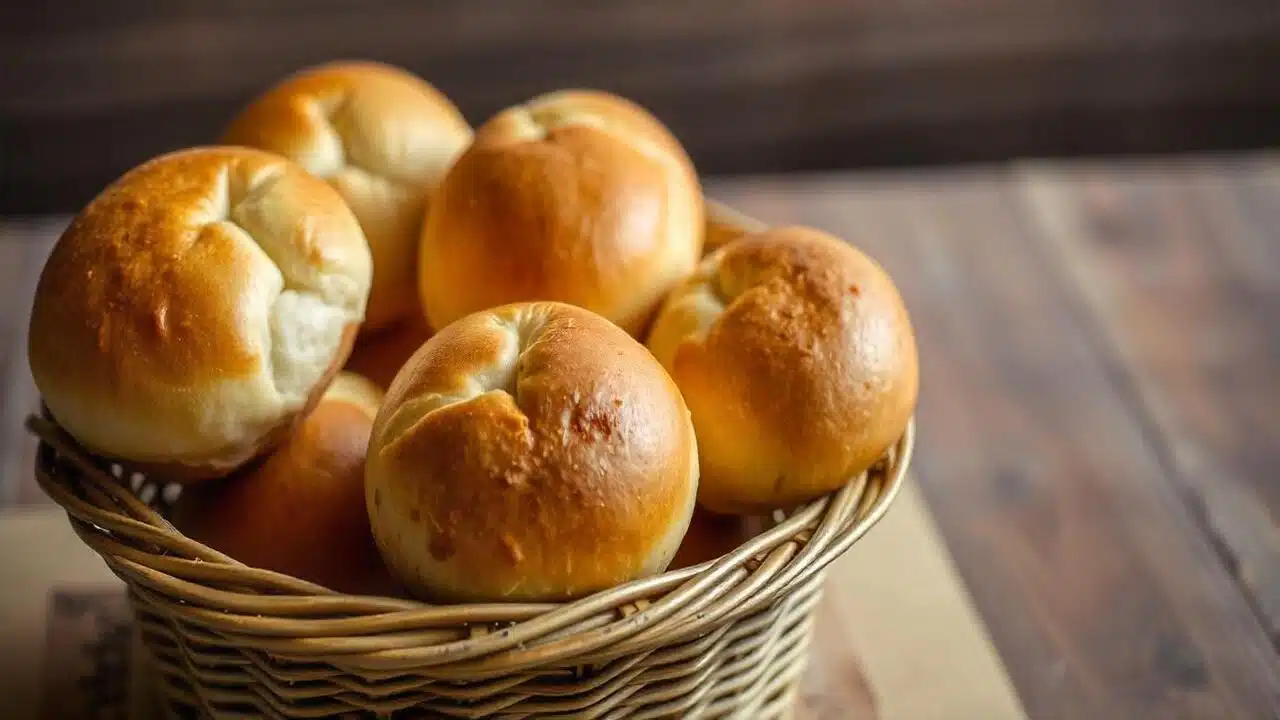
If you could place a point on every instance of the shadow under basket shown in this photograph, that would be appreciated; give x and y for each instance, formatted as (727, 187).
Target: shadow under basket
(726, 638)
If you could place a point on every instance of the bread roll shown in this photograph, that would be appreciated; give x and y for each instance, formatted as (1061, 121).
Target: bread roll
(710, 537)
(576, 196)
(301, 510)
(380, 355)
(196, 307)
(798, 361)
(724, 225)
(533, 452)
(383, 138)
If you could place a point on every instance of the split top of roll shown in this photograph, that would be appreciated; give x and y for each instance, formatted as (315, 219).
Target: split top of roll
(196, 307)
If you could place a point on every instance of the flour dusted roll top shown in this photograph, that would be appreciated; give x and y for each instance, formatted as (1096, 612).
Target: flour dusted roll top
(797, 358)
(532, 452)
(383, 138)
(576, 196)
(300, 510)
(196, 307)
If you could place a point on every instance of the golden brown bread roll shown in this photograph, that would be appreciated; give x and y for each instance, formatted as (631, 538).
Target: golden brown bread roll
(710, 537)
(379, 355)
(301, 510)
(532, 452)
(724, 225)
(196, 307)
(576, 196)
(383, 138)
(797, 358)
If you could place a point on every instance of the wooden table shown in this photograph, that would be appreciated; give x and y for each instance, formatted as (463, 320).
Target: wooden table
(1100, 416)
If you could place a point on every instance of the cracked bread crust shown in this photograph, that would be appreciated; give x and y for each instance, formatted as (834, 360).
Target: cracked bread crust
(531, 452)
(195, 307)
(383, 138)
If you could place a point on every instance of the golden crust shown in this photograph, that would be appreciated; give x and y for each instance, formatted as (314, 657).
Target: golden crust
(380, 355)
(196, 306)
(724, 225)
(358, 391)
(530, 452)
(797, 358)
(577, 196)
(314, 484)
(710, 537)
(383, 138)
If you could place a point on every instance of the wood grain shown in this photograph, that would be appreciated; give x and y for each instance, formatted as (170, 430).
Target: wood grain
(764, 85)
(895, 599)
(1098, 585)
(1183, 279)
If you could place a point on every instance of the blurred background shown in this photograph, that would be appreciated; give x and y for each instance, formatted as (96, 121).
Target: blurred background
(89, 89)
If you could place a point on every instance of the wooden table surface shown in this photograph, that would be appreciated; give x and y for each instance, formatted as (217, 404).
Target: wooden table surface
(1100, 414)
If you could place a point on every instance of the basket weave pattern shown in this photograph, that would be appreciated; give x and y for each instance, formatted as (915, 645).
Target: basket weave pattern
(724, 638)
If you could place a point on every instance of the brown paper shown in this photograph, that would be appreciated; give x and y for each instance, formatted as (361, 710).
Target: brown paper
(897, 637)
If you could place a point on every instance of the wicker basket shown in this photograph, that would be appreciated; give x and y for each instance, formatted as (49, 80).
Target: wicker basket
(727, 638)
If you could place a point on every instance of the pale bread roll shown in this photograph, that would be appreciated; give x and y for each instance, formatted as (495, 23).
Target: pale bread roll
(196, 307)
(383, 138)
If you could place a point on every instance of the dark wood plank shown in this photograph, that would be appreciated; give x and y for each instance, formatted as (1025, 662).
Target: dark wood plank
(24, 245)
(1101, 591)
(95, 87)
(1184, 281)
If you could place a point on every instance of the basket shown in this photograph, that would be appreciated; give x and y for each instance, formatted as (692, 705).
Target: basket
(726, 638)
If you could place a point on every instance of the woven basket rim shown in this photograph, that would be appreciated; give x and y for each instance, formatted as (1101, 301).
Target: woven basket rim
(161, 565)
